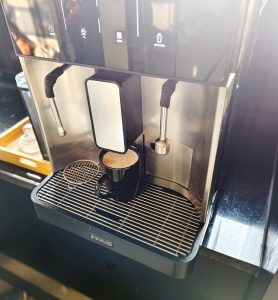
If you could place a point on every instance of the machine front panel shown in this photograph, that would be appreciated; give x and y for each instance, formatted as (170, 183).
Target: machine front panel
(184, 39)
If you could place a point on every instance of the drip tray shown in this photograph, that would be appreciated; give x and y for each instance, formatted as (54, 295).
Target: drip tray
(159, 228)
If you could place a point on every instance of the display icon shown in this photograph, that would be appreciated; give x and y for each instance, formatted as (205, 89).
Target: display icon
(51, 29)
(83, 32)
(119, 37)
(159, 40)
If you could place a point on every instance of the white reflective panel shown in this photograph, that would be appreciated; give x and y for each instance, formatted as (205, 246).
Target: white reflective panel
(106, 111)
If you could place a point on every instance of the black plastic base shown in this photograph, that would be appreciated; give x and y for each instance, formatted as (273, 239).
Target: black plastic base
(174, 267)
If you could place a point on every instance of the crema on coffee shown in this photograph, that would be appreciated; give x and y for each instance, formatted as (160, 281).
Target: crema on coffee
(120, 161)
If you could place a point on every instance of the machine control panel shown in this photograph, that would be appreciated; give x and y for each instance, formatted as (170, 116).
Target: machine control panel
(182, 39)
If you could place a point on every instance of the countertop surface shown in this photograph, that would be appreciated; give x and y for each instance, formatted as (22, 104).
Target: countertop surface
(245, 221)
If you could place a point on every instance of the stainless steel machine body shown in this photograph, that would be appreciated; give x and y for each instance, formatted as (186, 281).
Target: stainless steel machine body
(194, 123)
(197, 43)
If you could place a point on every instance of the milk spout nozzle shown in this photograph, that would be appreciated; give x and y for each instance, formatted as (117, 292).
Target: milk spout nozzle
(49, 82)
(162, 146)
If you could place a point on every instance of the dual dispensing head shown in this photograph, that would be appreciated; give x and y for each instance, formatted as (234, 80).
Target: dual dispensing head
(161, 146)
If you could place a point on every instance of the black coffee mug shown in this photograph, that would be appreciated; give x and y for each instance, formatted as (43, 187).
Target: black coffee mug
(122, 183)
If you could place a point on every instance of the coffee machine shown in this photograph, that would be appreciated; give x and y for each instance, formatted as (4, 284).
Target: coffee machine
(181, 58)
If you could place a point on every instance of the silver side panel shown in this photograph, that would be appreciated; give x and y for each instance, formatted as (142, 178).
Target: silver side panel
(70, 96)
(224, 96)
(190, 126)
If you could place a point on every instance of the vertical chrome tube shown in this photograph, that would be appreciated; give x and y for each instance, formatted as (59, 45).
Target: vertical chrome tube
(162, 146)
(60, 128)
(163, 123)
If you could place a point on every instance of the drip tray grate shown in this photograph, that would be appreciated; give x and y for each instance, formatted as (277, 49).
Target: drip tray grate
(157, 218)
